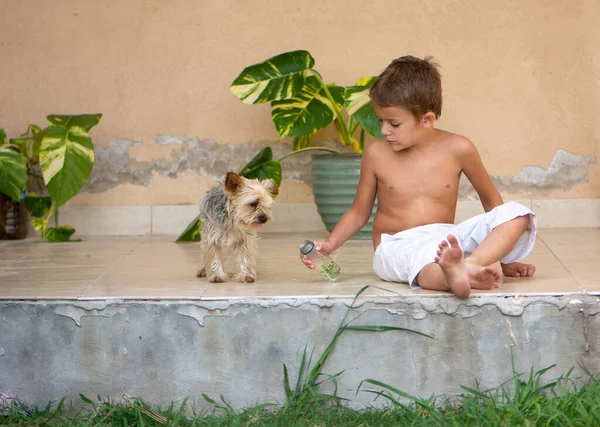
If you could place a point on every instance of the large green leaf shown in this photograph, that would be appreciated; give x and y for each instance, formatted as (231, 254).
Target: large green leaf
(279, 77)
(263, 155)
(301, 142)
(267, 170)
(262, 166)
(37, 206)
(191, 232)
(2, 137)
(13, 173)
(85, 121)
(358, 105)
(309, 111)
(66, 160)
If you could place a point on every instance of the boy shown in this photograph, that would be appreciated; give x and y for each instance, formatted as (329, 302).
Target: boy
(414, 172)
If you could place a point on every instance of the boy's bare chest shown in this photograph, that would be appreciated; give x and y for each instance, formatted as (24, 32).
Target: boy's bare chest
(414, 176)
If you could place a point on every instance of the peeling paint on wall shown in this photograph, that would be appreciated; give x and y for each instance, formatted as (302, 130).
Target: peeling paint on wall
(114, 166)
(566, 170)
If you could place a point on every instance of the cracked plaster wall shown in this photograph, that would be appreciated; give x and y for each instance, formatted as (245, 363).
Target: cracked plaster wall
(169, 351)
(115, 167)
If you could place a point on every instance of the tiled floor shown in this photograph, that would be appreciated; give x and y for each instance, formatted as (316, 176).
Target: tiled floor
(567, 260)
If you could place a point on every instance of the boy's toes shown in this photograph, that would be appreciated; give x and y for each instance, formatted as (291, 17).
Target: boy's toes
(452, 240)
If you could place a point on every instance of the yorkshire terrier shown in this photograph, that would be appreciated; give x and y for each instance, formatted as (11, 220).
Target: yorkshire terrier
(231, 213)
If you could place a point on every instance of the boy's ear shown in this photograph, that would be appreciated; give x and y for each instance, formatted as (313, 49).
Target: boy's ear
(428, 119)
(271, 186)
(233, 182)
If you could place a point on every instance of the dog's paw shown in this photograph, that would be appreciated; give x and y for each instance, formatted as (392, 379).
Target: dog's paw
(201, 272)
(245, 278)
(217, 279)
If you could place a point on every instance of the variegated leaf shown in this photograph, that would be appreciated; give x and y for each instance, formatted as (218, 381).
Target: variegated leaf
(66, 160)
(309, 111)
(13, 173)
(358, 105)
(85, 121)
(277, 78)
(301, 142)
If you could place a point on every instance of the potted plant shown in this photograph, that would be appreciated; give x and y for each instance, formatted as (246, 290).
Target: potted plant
(302, 104)
(59, 157)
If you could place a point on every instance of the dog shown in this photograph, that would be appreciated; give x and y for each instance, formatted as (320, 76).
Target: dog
(230, 214)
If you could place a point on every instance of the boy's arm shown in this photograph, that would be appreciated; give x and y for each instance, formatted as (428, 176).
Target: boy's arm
(360, 211)
(478, 176)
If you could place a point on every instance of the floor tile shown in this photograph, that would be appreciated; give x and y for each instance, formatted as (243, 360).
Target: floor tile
(567, 260)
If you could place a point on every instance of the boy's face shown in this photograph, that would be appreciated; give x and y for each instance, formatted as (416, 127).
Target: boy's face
(399, 127)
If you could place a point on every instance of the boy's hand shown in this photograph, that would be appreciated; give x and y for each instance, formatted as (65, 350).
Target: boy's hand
(518, 269)
(323, 247)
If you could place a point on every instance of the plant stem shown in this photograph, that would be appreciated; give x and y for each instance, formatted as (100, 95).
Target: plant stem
(347, 138)
(293, 153)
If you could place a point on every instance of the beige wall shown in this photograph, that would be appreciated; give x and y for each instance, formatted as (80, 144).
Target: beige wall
(521, 79)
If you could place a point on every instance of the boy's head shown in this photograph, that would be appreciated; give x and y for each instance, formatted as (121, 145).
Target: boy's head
(411, 83)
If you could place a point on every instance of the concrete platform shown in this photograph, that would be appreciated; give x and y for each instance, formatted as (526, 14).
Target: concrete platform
(114, 315)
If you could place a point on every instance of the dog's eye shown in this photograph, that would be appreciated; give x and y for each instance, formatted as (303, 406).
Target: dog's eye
(254, 204)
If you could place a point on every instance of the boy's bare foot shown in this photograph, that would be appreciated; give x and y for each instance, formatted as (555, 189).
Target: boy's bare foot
(461, 275)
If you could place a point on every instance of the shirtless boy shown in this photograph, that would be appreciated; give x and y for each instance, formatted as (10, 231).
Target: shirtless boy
(414, 172)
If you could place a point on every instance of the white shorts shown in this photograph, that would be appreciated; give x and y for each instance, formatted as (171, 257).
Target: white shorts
(401, 256)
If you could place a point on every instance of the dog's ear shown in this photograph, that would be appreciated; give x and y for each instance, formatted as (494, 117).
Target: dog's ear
(270, 185)
(233, 183)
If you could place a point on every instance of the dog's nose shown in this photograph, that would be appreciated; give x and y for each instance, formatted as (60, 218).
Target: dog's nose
(262, 219)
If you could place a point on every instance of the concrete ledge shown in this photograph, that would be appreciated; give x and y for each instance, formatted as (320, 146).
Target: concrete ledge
(164, 351)
(292, 217)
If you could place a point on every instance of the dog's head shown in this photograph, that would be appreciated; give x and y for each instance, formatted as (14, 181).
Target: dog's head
(250, 200)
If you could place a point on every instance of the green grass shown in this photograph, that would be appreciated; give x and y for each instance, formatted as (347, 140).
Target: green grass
(529, 403)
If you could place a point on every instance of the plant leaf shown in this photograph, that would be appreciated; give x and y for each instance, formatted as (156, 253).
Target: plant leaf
(279, 77)
(2, 137)
(301, 142)
(66, 160)
(37, 206)
(381, 328)
(38, 224)
(85, 121)
(268, 170)
(263, 156)
(59, 234)
(262, 166)
(358, 105)
(192, 232)
(85, 399)
(308, 111)
(13, 173)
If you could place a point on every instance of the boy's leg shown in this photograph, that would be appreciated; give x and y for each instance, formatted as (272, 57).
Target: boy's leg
(452, 272)
(500, 241)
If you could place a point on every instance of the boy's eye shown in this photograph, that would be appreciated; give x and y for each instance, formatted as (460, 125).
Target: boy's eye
(395, 125)
(254, 204)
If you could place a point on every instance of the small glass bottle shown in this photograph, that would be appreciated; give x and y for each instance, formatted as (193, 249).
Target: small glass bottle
(324, 264)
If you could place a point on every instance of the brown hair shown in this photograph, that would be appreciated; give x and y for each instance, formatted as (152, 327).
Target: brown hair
(411, 83)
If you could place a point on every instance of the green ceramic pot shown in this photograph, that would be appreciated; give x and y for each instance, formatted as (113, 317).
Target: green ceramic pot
(334, 180)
